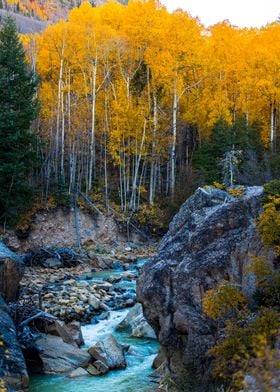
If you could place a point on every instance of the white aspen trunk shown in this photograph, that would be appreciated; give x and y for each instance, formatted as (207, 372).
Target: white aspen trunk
(247, 118)
(167, 177)
(272, 125)
(71, 159)
(58, 112)
(128, 90)
(92, 134)
(106, 174)
(124, 177)
(132, 205)
(62, 137)
(152, 174)
(71, 167)
(173, 147)
(121, 187)
(105, 154)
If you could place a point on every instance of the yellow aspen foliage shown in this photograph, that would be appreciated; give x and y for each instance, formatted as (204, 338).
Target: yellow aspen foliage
(269, 223)
(236, 191)
(224, 301)
(244, 343)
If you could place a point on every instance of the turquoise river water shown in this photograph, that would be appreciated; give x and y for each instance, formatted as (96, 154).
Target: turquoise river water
(135, 378)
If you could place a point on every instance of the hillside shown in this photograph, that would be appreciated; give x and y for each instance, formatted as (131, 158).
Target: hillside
(42, 10)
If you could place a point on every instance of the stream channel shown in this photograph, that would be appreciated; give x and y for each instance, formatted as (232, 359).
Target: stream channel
(139, 358)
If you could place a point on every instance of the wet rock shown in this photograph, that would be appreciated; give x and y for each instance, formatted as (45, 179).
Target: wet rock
(136, 324)
(141, 329)
(114, 279)
(104, 316)
(76, 332)
(98, 368)
(129, 275)
(94, 301)
(79, 372)
(110, 352)
(59, 328)
(130, 302)
(60, 357)
(102, 285)
(125, 324)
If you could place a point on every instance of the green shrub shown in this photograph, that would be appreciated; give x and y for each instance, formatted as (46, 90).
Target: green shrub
(272, 188)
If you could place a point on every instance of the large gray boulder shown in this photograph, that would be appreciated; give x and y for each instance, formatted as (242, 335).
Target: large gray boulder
(11, 272)
(211, 239)
(110, 352)
(60, 357)
(12, 365)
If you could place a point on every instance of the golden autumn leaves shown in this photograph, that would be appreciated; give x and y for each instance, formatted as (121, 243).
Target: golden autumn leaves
(119, 81)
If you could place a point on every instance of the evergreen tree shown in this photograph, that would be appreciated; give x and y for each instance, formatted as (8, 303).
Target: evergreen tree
(227, 143)
(18, 108)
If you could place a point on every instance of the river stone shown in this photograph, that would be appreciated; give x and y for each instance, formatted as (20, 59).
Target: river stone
(98, 368)
(79, 372)
(94, 301)
(211, 239)
(52, 263)
(102, 285)
(59, 328)
(136, 324)
(60, 357)
(76, 332)
(110, 352)
(141, 329)
(125, 324)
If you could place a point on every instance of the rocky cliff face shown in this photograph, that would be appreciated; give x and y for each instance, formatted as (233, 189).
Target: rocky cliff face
(211, 239)
(11, 272)
(12, 364)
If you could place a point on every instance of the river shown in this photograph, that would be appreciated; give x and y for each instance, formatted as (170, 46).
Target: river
(135, 378)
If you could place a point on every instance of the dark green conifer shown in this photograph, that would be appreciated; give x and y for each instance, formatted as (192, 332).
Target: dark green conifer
(18, 108)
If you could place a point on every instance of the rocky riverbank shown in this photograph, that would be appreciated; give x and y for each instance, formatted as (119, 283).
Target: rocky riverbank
(79, 293)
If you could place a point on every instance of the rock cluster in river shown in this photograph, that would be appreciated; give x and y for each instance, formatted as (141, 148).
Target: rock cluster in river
(70, 298)
(59, 350)
(211, 239)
